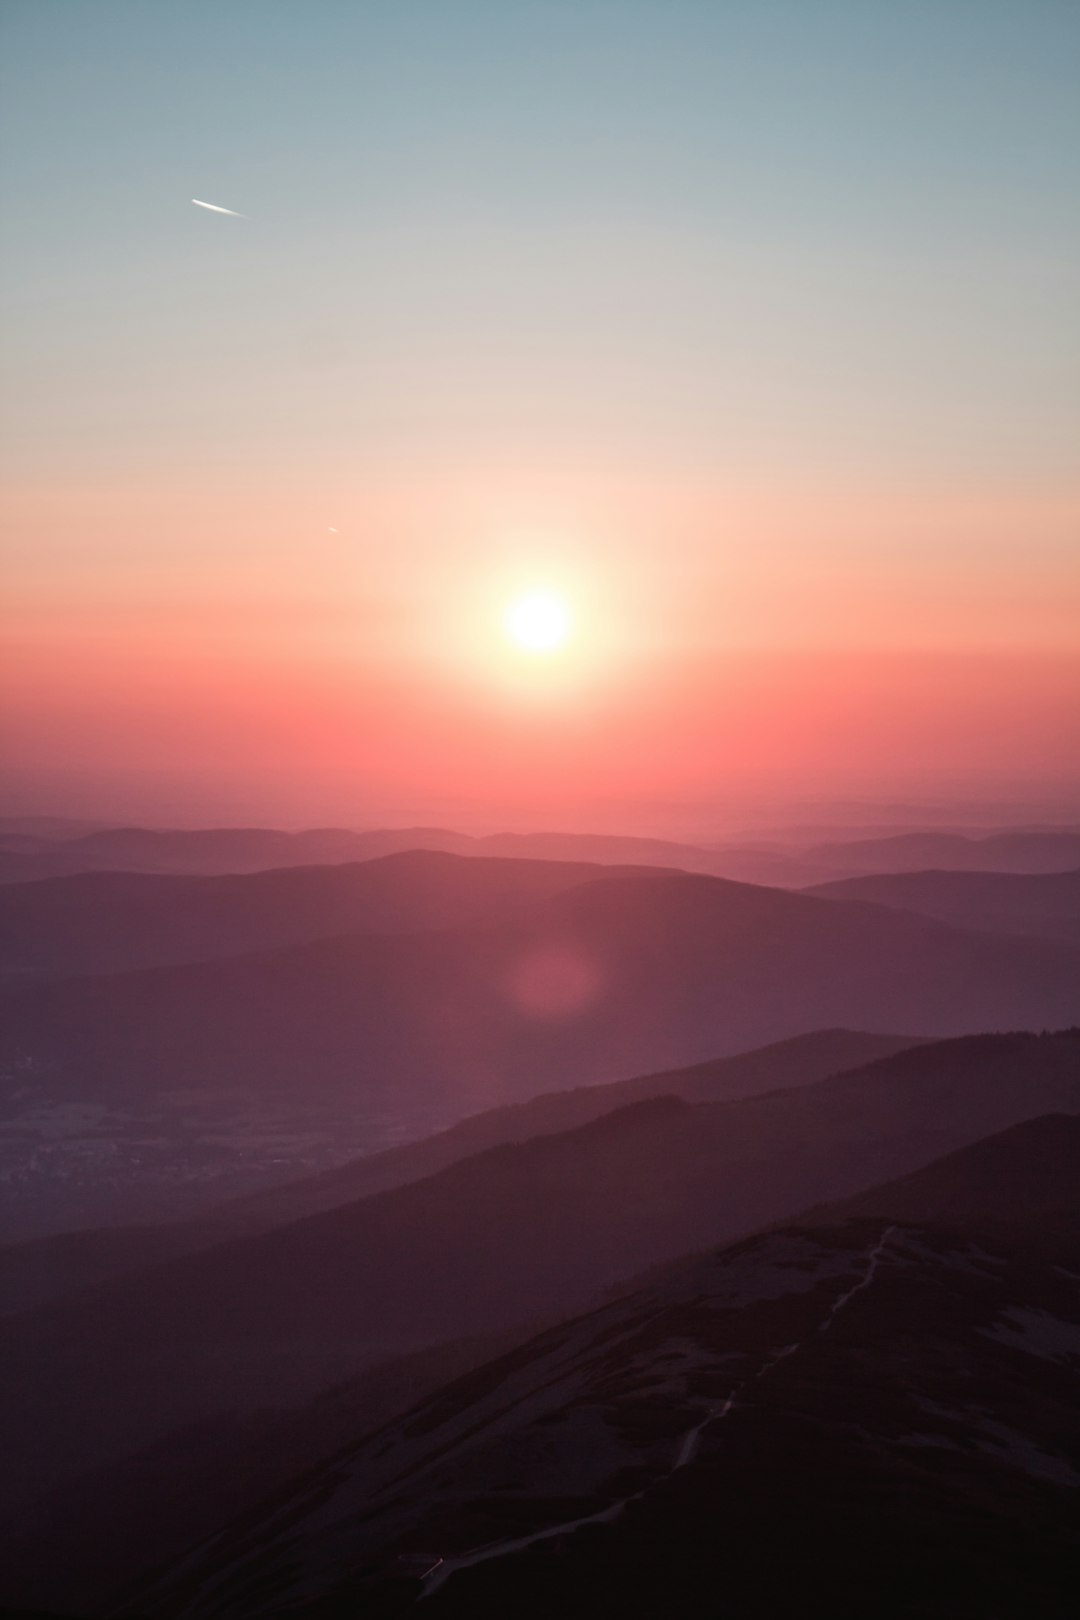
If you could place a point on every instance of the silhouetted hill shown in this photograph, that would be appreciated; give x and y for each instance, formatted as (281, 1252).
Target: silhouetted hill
(104, 922)
(44, 829)
(1014, 851)
(152, 1506)
(213, 851)
(217, 852)
(522, 1230)
(21, 864)
(802, 1060)
(604, 849)
(27, 856)
(617, 976)
(42, 1269)
(46, 1268)
(232, 850)
(876, 1418)
(1047, 904)
(1019, 1175)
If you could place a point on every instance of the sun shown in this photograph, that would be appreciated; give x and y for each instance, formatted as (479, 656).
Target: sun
(538, 622)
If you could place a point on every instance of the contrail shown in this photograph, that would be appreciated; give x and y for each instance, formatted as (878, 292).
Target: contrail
(214, 209)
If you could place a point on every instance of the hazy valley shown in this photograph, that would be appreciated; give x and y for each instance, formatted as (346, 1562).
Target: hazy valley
(456, 1100)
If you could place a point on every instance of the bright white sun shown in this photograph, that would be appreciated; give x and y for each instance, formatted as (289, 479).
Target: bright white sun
(538, 622)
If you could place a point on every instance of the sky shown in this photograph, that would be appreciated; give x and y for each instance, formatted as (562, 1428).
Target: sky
(749, 328)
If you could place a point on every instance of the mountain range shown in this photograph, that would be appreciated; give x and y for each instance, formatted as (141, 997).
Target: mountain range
(455, 1312)
(890, 1398)
(608, 977)
(1046, 904)
(35, 1271)
(40, 849)
(520, 1231)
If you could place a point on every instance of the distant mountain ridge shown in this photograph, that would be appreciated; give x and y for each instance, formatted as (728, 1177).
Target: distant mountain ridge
(1046, 904)
(26, 857)
(802, 1060)
(225, 851)
(610, 977)
(109, 922)
(34, 1272)
(1005, 851)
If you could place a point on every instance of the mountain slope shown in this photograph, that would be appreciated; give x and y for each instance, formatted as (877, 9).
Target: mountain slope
(615, 976)
(182, 1489)
(107, 922)
(651, 1457)
(33, 1272)
(1017, 1176)
(213, 1078)
(791, 862)
(224, 850)
(1046, 904)
(1055, 850)
(207, 851)
(519, 1231)
(802, 1060)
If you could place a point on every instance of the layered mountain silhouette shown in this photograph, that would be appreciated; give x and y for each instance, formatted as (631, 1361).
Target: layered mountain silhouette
(1010, 851)
(477, 1370)
(33, 1272)
(205, 851)
(520, 1231)
(1046, 904)
(32, 852)
(614, 976)
(1017, 1176)
(800, 1061)
(232, 850)
(104, 922)
(889, 1399)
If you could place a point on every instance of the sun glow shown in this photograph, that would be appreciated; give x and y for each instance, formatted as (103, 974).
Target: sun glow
(538, 622)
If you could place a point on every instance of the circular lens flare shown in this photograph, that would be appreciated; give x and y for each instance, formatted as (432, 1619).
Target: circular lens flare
(538, 622)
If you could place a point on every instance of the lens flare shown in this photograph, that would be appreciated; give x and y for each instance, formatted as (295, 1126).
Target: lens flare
(555, 981)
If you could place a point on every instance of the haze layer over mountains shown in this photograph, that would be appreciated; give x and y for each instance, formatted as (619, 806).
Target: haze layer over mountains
(239, 1013)
(302, 1155)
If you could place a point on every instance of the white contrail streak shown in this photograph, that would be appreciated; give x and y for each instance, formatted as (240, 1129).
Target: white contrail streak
(214, 209)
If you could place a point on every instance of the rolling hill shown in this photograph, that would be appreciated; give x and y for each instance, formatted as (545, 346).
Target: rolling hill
(1017, 1176)
(1045, 904)
(1049, 850)
(630, 973)
(911, 1383)
(221, 851)
(45, 1268)
(106, 922)
(520, 1231)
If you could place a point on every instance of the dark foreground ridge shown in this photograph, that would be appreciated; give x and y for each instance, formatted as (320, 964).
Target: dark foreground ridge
(876, 1396)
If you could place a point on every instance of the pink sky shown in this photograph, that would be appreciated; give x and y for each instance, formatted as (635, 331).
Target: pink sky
(750, 329)
(728, 641)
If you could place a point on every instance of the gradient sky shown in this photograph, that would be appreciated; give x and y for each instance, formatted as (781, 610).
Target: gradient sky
(751, 325)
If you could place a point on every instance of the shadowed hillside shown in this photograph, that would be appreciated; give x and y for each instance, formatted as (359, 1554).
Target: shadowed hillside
(1023, 1174)
(803, 1378)
(104, 922)
(1010, 851)
(44, 1268)
(612, 977)
(521, 1230)
(1046, 904)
